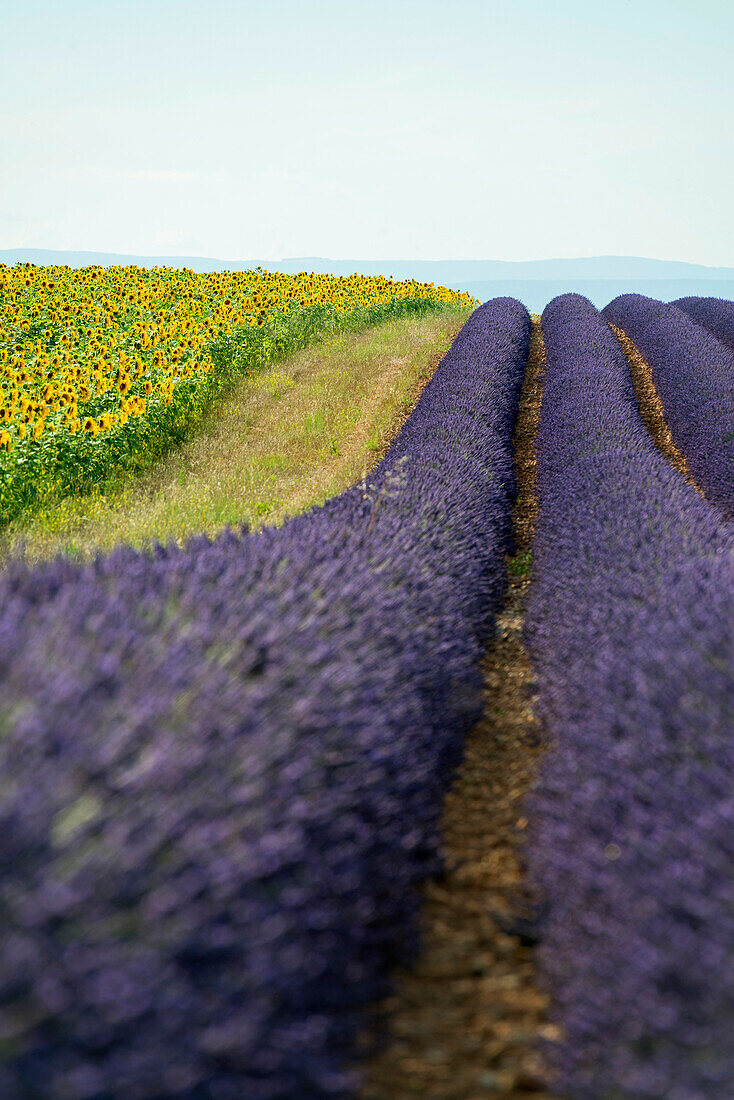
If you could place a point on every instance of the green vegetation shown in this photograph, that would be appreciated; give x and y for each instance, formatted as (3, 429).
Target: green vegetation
(278, 442)
(520, 564)
(103, 371)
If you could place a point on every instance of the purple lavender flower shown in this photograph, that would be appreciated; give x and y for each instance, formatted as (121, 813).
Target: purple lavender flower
(221, 766)
(693, 373)
(715, 314)
(631, 629)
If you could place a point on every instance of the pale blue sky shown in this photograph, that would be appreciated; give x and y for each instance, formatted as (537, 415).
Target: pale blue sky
(409, 129)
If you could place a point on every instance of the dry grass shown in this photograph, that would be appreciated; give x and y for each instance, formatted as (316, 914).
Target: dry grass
(286, 439)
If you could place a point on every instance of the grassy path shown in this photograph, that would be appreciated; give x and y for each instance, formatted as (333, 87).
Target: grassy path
(464, 1023)
(285, 439)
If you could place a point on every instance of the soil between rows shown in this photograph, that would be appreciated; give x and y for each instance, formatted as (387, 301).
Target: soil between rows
(651, 408)
(466, 1021)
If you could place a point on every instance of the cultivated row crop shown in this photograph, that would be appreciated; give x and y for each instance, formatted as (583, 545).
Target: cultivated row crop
(105, 368)
(693, 373)
(221, 766)
(631, 628)
(715, 314)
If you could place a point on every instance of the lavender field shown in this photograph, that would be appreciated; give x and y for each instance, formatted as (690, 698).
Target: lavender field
(224, 764)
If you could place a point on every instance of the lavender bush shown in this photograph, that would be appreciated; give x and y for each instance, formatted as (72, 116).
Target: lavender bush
(694, 376)
(631, 629)
(221, 766)
(715, 314)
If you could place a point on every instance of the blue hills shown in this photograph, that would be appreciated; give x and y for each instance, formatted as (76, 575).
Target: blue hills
(535, 282)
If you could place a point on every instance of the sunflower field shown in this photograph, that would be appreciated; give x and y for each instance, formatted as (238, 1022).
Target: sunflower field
(104, 369)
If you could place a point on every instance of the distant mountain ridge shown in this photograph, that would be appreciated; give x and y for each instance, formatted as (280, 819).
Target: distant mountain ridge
(446, 272)
(534, 282)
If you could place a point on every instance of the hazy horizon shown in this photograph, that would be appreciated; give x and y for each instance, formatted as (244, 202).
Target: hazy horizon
(595, 266)
(535, 283)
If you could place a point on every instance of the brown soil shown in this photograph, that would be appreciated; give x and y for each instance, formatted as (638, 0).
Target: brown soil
(466, 1021)
(652, 409)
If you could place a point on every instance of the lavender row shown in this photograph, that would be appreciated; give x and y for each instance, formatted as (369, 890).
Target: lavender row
(630, 627)
(693, 373)
(221, 766)
(715, 314)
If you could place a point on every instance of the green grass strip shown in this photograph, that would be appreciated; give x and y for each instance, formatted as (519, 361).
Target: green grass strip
(36, 474)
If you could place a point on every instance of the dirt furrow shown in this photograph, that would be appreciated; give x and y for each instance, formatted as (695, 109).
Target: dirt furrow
(651, 408)
(466, 1020)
